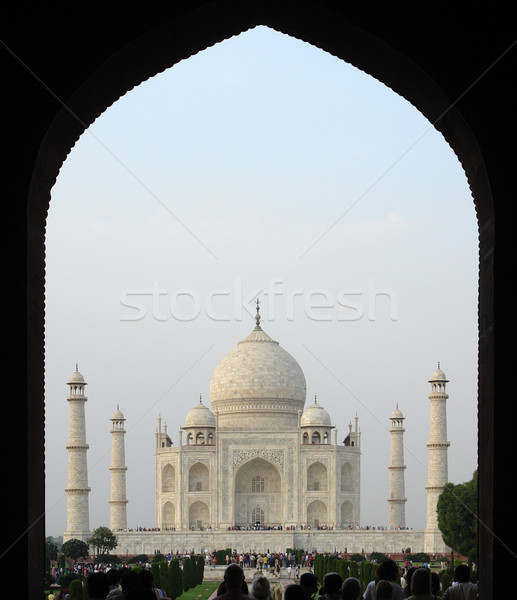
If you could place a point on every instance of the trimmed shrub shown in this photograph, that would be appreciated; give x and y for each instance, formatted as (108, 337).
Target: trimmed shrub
(157, 576)
(357, 558)
(377, 557)
(164, 576)
(75, 590)
(419, 557)
(138, 558)
(200, 569)
(65, 579)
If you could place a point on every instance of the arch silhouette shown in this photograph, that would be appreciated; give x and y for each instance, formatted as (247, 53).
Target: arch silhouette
(402, 53)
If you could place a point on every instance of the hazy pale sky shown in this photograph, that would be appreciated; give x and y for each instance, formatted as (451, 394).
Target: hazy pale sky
(260, 167)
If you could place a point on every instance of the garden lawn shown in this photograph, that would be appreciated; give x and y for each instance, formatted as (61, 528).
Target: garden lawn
(201, 592)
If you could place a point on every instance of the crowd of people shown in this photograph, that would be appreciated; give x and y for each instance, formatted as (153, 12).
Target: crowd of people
(415, 583)
(265, 527)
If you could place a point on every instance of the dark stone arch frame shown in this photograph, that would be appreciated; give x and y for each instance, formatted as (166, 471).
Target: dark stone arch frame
(128, 60)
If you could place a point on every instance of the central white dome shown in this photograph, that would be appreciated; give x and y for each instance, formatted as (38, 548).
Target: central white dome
(258, 376)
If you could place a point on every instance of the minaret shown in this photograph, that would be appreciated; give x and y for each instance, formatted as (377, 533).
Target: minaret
(397, 499)
(118, 501)
(77, 490)
(438, 445)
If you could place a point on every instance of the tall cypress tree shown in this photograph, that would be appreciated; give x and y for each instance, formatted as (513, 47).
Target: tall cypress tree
(175, 579)
(155, 570)
(186, 574)
(164, 577)
(200, 570)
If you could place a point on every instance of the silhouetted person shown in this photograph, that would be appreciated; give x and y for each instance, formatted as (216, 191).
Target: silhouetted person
(234, 579)
(97, 586)
(389, 570)
(463, 588)
(116, 590)
(351, 589)
(295, 592)
(309, 583)
(421, 585)
(407, 577)
(331, 589)
(147, 582)
(261, 588)
(130, 581)
(384, 590)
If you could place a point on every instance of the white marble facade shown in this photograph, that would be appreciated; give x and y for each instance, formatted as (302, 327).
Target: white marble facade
(259, 458)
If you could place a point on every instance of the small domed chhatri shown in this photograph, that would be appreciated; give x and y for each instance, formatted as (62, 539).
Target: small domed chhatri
(118, 415)
(397, 414)
(200, 416)
(316, 416)
(438, 375)
(76, 377)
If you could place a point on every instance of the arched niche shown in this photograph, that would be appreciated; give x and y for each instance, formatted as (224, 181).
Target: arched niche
(258, 485)
(168, 478)
(317, 477)
(317, 514)
(199, 515)
(198, 478)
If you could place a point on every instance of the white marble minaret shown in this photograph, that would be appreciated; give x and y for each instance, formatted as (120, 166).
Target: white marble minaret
(118, 500)
(397, 496)
(438, 447)
(77, 490)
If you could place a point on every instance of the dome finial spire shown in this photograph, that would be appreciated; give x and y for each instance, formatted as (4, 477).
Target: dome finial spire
(257, 316)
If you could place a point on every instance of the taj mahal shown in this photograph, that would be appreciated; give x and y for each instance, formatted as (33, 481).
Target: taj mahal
(259, 469)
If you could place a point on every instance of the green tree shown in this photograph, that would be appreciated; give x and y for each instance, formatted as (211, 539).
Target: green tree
(74, 549)
(51, 549)
(457, 516)
(103, 540)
